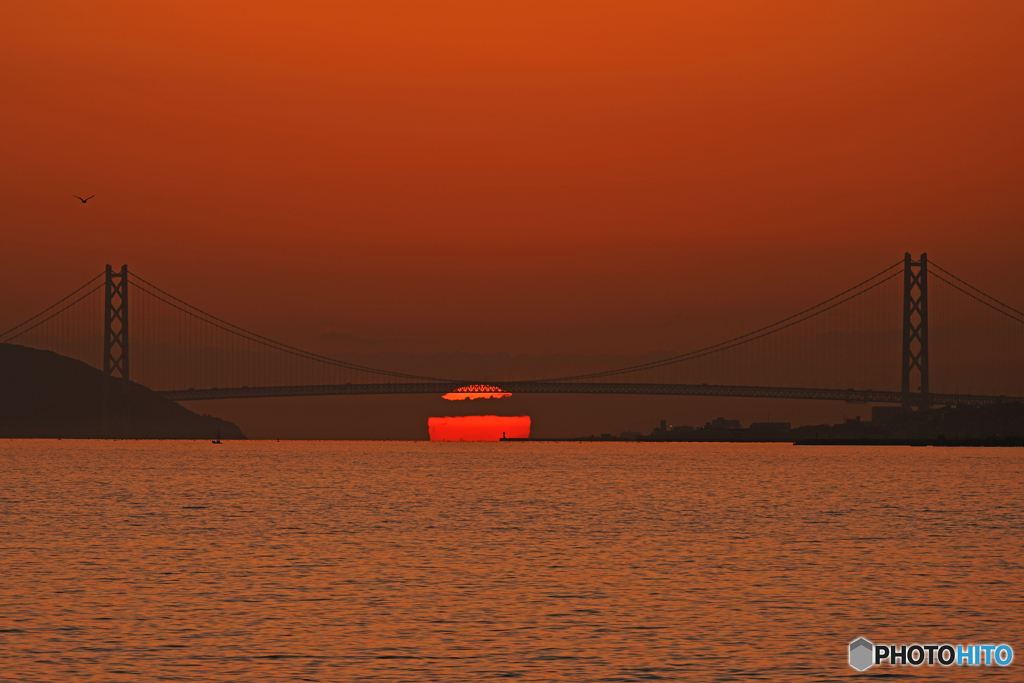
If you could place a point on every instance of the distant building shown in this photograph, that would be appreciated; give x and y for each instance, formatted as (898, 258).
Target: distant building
(667, 432)
(722, 423)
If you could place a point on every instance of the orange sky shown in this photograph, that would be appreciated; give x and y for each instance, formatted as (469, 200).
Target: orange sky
(507, 176)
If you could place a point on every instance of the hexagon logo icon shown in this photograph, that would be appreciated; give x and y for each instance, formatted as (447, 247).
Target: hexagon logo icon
(862, 654)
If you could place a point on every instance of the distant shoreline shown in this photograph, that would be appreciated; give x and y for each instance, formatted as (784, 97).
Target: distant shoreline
(1003, 442)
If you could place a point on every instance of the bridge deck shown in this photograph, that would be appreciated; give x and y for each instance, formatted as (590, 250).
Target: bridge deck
(622, 388)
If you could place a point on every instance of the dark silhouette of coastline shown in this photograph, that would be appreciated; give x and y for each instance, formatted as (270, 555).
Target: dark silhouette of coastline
(993, 425)
(46, 395)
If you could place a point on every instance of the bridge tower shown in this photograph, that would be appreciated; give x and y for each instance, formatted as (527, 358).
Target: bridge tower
(915, 331)
(115, 346)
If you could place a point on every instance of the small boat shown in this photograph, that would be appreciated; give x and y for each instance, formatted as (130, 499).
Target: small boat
(217, 441)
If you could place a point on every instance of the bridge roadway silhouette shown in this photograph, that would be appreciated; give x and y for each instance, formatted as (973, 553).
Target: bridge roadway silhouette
(620, 388)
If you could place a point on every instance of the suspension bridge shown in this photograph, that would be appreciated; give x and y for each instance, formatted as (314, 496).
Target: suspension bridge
(913, 334)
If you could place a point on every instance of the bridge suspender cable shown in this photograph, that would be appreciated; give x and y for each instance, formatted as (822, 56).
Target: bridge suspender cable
(4, 338)
(794, 319)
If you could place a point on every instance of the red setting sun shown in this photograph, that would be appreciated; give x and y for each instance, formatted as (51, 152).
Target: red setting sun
(479, 427)
(475, 391)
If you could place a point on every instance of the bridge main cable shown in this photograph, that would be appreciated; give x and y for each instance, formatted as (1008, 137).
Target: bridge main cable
(975, 297)
(8, 337)
(778, 326)
(231, 328)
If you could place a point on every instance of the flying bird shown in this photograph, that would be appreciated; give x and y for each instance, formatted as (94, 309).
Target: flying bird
(82, 200)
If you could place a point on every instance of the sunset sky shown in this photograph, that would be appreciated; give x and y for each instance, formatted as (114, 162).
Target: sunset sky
(524, 177)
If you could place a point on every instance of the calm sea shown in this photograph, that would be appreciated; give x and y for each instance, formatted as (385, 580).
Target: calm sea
(344, 561)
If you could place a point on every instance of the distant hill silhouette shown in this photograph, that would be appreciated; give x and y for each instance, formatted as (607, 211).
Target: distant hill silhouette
(46, 395)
